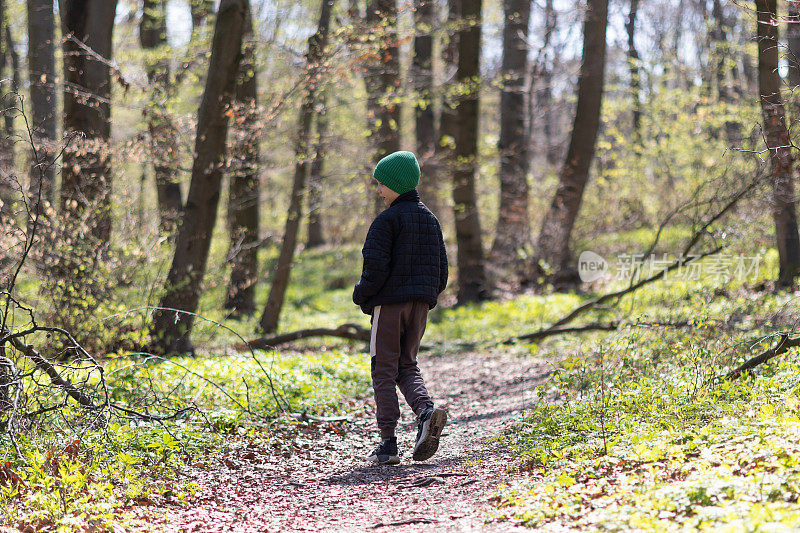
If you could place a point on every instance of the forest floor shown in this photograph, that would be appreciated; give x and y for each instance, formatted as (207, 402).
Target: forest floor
(314, 478)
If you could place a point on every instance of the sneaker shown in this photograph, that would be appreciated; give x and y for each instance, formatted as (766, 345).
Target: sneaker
(385, 453)
(429, 428)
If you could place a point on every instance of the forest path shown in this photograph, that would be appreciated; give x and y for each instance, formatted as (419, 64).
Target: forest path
(318, 481)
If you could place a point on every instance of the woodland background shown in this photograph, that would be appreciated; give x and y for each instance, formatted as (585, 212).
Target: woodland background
(185, 185)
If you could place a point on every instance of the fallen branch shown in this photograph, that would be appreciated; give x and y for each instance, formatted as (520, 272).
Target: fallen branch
(594, 302)
(45, 366)
(305, 417)
(405, 522)
(345, 331)
(150, 417)
(538, 335)
(784, 344)
(555, 328)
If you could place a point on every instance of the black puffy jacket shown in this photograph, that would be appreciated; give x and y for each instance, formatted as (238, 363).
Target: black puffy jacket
(404, 256)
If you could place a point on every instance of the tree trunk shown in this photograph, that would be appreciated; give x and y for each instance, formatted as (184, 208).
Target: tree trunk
(448, 124)
(163, 134)
(513, 225)
(13, 57)
(8, 186)
(86, 169)
(74, 285)
(470, 258)
(633, 68)
(243, 199)
(280, 279)
(447, 121)
(542, 79)
(316, 235)
(719, 35)
(778, 142)
(793, 59)
(422, 76)
(42, 75)
(553, 242)
(171, 329)
(200, 9)
(383, 83)
(723, 58)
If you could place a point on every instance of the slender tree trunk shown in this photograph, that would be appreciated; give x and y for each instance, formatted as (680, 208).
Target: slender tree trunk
(554, 238)
(448, 125)
(13, 57)
(633, 68)
(243, 200)
(749, 79)
(422, 75)
(163, 134)
(778, 142)
(383, 83)
(86, 169)
(513, 224)
(723, 57)
(201, 10)
(7, 183)
(280, 278)
(42, 76)
(171, 330)
(671, 74)
(793, 62)
(793, 57)
(472, 284)
(316, 235)
(542, 80)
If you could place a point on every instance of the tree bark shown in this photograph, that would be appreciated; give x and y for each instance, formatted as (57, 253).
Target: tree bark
(8, 186)
(42, 75)
(723, 57)
(422, 76)
(793, 63)
(87, 26)
(554, 237)
(447, 121)
(201, 10)
(171, 329)
(778, 143)
(542, 79)
(470, 257)
(243, 199)
(633, 68)
(383, 83)
(316, 235)
(280, 279)
(84, 226)
(10, 59)
(719, 36)
(793, 59)
(513, 223)
(163, 134)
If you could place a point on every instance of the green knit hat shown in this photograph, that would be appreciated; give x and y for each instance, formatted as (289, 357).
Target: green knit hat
(398, 171)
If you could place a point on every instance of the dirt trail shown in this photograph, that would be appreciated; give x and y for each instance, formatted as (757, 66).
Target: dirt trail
(319, 482)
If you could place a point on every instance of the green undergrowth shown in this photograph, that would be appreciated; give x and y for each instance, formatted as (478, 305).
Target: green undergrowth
(78, 479)
(652, 387)
(660, 456)
(635, 431)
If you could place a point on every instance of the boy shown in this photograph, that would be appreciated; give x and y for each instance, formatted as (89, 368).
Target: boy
(405, 269)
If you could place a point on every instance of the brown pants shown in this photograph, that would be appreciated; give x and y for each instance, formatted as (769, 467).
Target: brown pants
(396, 332)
